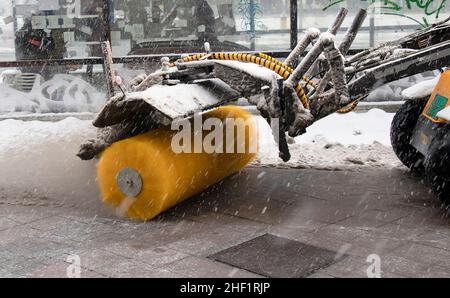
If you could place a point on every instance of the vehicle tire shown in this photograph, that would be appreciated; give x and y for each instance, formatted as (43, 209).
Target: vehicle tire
(402, 129)
(438, 170)
(440, 185)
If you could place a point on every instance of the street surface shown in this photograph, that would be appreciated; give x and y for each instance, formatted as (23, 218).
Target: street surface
(355, 214)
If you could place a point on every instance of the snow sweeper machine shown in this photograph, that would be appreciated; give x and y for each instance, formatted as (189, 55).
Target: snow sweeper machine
(140, 174)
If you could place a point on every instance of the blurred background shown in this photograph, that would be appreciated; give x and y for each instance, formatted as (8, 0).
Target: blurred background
(73, 29)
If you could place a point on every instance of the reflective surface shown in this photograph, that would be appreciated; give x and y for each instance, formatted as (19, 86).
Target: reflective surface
(59, 29)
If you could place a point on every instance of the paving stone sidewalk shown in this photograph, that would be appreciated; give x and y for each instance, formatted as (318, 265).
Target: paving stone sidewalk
(357, 213)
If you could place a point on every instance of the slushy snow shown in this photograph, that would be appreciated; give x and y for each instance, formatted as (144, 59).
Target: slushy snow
(38, 165)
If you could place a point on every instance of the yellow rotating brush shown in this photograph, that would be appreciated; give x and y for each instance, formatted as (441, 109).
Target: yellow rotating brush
(142, 177)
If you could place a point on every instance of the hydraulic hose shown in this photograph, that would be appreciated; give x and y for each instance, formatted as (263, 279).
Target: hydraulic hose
(350, 108)
(267, 63)
(290, 69)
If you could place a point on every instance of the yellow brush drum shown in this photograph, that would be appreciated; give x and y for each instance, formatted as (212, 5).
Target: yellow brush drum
(144, 176)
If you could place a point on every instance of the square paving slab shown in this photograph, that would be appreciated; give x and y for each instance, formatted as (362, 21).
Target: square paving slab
(274, 256)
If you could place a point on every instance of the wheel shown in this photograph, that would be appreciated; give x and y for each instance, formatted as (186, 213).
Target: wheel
(438, 170)
(402, 129)
(440, 185)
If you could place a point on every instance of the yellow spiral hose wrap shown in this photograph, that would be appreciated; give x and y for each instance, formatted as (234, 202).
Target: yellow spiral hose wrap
(277, 68)
(350, 108)
(169, 178)
(273, 64)
(290, 69)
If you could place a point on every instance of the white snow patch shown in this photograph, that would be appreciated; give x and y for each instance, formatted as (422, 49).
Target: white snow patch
(337, 141)
(346, 129)
(444, 114)
(252, 69)
(61, 94)
(340, 128)
(12, 100)
(422, 89)
(39, 158)
(179, 100)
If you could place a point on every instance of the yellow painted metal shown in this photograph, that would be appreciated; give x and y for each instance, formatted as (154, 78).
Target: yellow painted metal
(169, 178)
(441, 89)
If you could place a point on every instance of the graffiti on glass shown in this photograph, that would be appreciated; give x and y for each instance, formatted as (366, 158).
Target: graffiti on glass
(426, 11)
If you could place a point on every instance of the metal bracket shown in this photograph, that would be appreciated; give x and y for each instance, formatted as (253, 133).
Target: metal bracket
(129, 182)
(285, 107)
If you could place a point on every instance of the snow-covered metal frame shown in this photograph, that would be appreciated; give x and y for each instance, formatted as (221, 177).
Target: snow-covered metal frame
(276, 89)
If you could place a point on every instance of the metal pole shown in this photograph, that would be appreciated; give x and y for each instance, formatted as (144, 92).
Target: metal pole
(294, 23)
(344, 47)
(106, 20)
(372, 29)
(14, 15)
(252, 24)
(352, 31)
(106, 46)
(334, 28)
(317, 49)
(301, 13)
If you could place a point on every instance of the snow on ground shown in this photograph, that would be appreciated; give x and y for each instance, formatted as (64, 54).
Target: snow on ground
(37, 162)
(335, 142)
(37, 159)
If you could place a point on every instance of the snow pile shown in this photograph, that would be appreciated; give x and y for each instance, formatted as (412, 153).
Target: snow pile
(337, 141)
(12, 100)
(38, 165)
(61, 94)
(444, 114)
(352, 128)
(66, 93)
(394, 91)
(421, 89)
